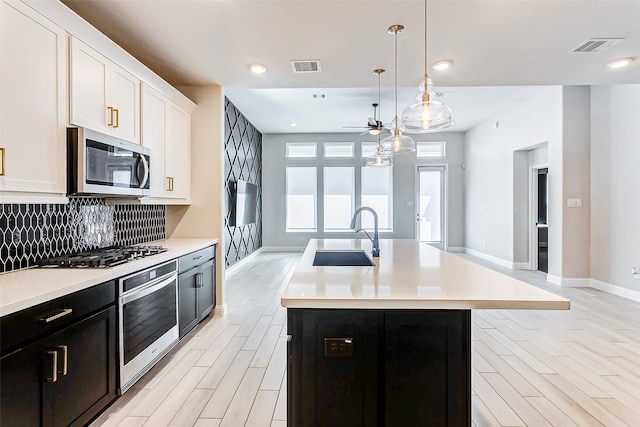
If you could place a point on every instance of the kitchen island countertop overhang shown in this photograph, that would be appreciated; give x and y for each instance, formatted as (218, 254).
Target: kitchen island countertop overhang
(409, 275)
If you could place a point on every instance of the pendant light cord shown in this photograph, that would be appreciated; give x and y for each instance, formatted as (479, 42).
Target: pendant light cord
(425, 37)
(396, 64)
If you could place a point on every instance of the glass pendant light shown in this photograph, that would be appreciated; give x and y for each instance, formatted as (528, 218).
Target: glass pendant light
(426, 116)
(381, 158)
(396, 142)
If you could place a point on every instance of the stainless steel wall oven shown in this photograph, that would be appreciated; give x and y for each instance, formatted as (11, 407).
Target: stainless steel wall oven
(148, 323)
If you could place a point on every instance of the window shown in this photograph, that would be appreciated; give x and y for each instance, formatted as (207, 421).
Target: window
(368, 149)
(377, 193)
(339, 197)
(430, 150)
(338, 149)
(301, 150)
(302, 192)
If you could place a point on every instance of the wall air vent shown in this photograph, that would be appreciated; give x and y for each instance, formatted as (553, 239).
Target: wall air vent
(306, 66)
(595, 45)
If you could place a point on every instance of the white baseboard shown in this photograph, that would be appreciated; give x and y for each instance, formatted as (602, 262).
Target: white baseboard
(283, 248)
(616, 290)
(243, 261)
(569, 282)
(456, 249)
(554, 280)
(522, 266)
(489, 258)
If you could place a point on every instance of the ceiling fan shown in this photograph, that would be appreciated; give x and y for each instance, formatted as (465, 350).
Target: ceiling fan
(374, 125)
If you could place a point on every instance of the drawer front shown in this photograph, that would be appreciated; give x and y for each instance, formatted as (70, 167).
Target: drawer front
(196, 258)
(31, 323)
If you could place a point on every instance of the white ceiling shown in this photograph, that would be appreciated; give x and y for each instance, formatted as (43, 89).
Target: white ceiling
(501, 50)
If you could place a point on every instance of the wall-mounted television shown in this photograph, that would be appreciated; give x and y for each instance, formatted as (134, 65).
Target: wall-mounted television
(243, 207)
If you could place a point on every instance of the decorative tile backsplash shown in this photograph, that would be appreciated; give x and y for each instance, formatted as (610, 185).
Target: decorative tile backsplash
(31, 232)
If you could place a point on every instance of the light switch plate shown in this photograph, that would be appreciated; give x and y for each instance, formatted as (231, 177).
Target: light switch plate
(574, 203)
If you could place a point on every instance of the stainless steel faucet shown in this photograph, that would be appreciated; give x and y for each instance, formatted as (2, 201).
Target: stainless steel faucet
(376, 245)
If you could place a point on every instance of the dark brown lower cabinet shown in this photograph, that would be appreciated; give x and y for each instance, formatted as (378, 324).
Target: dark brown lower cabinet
(64, 379)
(379, 367)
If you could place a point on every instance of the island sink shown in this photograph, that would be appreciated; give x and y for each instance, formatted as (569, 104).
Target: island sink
(346, 258)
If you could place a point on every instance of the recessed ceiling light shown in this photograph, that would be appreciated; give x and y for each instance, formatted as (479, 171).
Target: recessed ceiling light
(442, 65)
(293, 124)
(257, 68)
(620, 63)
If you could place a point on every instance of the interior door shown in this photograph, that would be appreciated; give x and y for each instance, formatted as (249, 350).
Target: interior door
(430, 202)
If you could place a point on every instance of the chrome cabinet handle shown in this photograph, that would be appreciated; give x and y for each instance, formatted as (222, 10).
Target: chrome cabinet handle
(2, 164)
(195, 258)
(200, 280)
(54, 372)
(63, 313)
(64, 359)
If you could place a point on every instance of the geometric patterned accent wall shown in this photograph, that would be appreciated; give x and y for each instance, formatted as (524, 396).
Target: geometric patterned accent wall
(243, 161)
(31, 232)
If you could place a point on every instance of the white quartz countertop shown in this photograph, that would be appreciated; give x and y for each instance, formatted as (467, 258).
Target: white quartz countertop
(409, 275)
(25, 288)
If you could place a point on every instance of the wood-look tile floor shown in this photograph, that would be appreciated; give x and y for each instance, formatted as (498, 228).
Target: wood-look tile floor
(530, 368)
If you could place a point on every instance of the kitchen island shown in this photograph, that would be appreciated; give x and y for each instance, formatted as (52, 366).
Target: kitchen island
(390, 344)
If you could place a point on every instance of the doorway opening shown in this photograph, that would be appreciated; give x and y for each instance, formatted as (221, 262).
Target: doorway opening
(541, 207)
(431, 207)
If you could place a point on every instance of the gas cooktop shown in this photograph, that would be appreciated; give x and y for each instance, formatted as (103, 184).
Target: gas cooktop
(102, 258)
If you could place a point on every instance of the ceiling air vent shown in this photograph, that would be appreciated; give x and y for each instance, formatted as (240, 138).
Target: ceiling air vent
(306, 66)
(595, 45)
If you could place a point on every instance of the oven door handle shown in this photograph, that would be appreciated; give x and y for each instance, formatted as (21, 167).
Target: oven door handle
(148, 289)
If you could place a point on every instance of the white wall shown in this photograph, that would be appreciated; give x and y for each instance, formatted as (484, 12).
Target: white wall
(615, 176)
(489, 175)
(404, 189)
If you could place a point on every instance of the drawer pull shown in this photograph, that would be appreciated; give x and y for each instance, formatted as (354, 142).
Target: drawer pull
(195, 258)
(54, 372)
(64, 312)
(64, 359)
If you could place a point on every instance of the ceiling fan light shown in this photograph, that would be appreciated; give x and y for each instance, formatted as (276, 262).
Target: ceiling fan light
(427, 117)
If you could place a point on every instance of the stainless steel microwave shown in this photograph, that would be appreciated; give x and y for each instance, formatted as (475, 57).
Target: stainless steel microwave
(103, 165)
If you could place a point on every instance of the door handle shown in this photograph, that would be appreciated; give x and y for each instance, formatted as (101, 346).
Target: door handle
(64, 359)
(54, 372)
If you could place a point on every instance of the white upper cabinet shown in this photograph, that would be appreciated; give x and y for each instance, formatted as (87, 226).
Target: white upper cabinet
(104, 97)
(166, 131)
(33, 106)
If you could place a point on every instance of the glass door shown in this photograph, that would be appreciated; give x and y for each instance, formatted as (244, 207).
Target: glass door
(430, 196)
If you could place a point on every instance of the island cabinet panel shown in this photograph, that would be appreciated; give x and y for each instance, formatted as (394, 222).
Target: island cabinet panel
(379, 367)
(427, 367)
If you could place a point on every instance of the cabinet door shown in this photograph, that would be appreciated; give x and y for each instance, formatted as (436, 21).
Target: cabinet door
(177, 152)
(33, 105)
(90, 382)
(83, 357)
(334, 384)
(154, 125)
(89, 88)
(206, 289)
(23, 384)
(187, 294)
(427, 378)
(125, 101)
